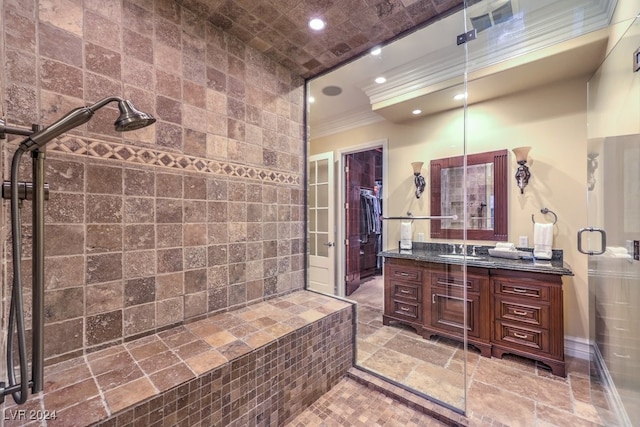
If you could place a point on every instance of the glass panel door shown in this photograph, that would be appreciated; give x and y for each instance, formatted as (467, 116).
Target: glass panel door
(321, 227)
(613, 233)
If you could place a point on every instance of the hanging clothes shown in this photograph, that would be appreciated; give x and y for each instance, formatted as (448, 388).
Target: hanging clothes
(370, 213)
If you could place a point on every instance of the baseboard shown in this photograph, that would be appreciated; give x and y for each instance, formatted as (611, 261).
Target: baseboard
(611, 392)
(579, 348)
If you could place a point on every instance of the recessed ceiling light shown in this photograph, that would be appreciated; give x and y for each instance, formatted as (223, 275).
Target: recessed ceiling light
(311, 100)
(375, 51)
(316, 24)
(416, 112)
(380, 80)
(332, 90)
(460, 96)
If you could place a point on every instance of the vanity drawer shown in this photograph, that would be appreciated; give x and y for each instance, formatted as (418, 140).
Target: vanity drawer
(407, 291)
(405, 274)
(407, 310)
(530, 314)
(455, 281)
(518, 336)
(521, 289)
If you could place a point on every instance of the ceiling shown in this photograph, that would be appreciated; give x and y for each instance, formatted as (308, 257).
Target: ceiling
(545, 41)
(279, 28)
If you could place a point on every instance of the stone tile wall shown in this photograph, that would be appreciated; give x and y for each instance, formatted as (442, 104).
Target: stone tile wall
(199, 213)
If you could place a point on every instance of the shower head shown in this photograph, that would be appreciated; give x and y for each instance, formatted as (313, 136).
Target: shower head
(130, 119)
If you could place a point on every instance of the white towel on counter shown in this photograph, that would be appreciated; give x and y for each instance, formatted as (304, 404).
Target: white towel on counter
(505, 246)
(617, 252)
(406, 233)
(542, 240)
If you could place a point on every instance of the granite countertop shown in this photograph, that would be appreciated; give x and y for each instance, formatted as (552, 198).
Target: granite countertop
(441, 253)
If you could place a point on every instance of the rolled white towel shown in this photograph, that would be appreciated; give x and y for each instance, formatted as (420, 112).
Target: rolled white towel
(505, 246)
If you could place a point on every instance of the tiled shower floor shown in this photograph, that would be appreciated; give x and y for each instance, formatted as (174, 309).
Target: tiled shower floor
(508, 391)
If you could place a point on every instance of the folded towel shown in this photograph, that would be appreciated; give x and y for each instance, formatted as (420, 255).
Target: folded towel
(505, 246)
(501, 246)
(405, 231)
(617, 252)
(405, 235)
(542, 240)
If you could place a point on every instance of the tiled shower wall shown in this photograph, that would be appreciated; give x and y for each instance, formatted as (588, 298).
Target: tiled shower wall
(201, 212)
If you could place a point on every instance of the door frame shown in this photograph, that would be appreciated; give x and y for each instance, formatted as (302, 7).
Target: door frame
(341, 220)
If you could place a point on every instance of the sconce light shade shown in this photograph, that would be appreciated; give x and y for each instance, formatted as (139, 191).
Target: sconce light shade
(522, 174)
(417, 167)
(418, 178)
(521, 153)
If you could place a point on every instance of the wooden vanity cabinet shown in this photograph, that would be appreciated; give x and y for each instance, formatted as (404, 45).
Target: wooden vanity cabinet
(445, 303)
(528, 318)
(508, 311)
(403, 292)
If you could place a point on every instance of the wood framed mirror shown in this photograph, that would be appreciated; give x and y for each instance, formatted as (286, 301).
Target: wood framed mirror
(486, 207)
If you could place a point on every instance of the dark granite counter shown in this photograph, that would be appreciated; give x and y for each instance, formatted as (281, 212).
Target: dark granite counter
(441, 253)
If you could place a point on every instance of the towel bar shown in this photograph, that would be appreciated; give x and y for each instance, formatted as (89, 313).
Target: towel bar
(546, 211)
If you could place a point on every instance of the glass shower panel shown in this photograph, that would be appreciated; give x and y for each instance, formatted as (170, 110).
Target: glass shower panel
(613, 183)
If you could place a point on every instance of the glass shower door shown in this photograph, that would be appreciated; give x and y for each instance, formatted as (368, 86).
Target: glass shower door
(613, 235)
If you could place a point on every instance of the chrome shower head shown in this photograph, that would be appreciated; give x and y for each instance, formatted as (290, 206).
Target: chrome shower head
(131, 118)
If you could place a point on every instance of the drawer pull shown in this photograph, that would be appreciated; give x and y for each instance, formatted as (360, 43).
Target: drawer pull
(622, 356)
(433, 298)
(404, 309)
(617, 328)
(404, 291)
(521, 336)
(403, 274)
(520, 313)
(519, 290)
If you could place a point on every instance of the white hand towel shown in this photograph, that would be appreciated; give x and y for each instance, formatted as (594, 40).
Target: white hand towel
(405, 235)
(542, 240)
(405, 231)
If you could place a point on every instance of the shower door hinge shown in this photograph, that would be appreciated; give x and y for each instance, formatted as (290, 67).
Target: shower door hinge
(465, 37)
(25, 190)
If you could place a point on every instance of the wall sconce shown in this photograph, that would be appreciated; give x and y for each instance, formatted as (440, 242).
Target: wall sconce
(522, 174)
(418, 178)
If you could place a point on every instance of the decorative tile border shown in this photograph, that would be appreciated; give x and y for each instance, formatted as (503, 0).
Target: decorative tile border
(152, 157)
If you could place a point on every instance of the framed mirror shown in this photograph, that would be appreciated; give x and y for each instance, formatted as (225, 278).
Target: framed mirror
(486, 205)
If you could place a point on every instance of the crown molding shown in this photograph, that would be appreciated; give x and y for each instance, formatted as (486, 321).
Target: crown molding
(544, 27)
(344, 122)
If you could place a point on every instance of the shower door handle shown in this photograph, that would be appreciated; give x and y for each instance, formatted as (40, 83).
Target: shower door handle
(603, 240)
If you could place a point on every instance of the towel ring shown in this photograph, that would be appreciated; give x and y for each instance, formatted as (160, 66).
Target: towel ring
(546, 211)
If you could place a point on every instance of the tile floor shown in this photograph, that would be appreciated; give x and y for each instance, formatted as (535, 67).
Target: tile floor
(350, 403)
(509, 391)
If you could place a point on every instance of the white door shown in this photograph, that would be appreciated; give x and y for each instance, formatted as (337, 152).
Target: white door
(322, 246)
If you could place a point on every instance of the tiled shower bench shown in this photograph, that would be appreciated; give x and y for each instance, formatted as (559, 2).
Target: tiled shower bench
(259, 365)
